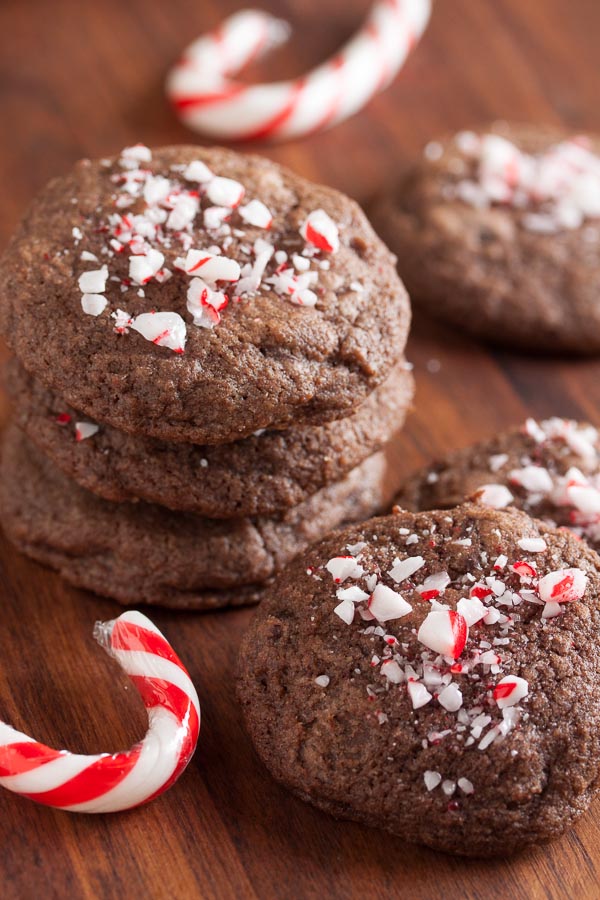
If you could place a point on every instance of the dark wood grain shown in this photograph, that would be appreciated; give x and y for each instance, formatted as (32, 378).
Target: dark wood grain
(85, 79)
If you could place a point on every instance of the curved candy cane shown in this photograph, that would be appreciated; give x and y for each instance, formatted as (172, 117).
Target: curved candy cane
(208, 100)
(108, 782)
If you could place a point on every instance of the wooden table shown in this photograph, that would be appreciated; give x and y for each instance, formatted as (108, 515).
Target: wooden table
(85, 79)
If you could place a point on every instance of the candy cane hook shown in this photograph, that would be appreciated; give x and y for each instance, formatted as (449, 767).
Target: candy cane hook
(108, 782)
(210, 101)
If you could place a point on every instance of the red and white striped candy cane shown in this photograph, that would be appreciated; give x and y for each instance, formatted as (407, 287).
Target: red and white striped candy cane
(209, 100)
(108, 782)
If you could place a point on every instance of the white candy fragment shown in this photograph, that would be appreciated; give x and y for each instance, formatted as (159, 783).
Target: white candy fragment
(445, 632)
(84, 430)
(510, 690)
(204, 303)
(131, 157)
(94, 281)
(448, 787)
(534, 479)
(93, 304)
(122, 321)
(144, 267)
(387, 604)
(562, 586)
(532, 545)
(225, 192)
(584, 497)
(432, 779)
(465, 785)
(211, 267)
(354, 593)
(403, 569)
(472, 609)
(322, 680)
(451, 697)
(185, 209)
(198, 171)
(434, 585)
(165, 329)
(343, 567)
(496, 496)
(257, 214)
(321, 231)
(392, 671)
(345, 610)
(418, 693)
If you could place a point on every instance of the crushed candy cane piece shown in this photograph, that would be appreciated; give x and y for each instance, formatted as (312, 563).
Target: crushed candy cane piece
(84, 430)
(93, 304)
(432, 780)
(497, 496)
(94, 281)
(386, 604)
(445, 632)
(144, 267)
(345, 610)
(418, 693)
(392, 671)
(403, 569)
(562, 586)
(465, 785)
(321, 231)
(165, 329)
(343, 567)
(257, 214)
(450, 697)
(225, 192)
(510, 690)
(472, 610)
(198, 171)
(532, 545)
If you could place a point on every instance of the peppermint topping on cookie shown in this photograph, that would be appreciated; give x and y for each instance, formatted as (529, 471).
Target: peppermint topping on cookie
(166, 329)
(547, 488)
(93, 304)
(457, 654)
(495, 495)
(181, 225)
(553, 190)
(444, 631)
(94, 281)
(320, 230)
(562, 586)
(84, 430)
(385, 604)
(510, 690)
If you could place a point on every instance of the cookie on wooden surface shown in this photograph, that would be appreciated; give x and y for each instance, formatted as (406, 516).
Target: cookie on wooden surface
(436, 675)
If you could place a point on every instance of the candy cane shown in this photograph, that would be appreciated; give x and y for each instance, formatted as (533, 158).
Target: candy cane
(108, 782)
(208, 100)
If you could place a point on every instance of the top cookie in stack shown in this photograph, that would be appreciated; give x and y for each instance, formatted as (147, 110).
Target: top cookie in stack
(224, 339)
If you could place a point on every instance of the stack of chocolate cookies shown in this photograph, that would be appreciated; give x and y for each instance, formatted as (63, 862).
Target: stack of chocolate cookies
(208, 361)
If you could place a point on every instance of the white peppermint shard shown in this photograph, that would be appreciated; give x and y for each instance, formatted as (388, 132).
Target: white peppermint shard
(165, 329)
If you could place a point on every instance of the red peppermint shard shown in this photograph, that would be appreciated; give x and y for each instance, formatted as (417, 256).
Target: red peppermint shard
(562, 586)
(321, 231)
(445, 631)
(510, 690)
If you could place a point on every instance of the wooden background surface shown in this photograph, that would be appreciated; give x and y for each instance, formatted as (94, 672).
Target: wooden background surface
(85, 78)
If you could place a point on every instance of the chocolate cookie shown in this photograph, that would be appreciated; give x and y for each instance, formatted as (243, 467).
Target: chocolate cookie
(551, 469)
(198, 295)
(436, 675)
(498, 233)
(260, 475)
(140, 553)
